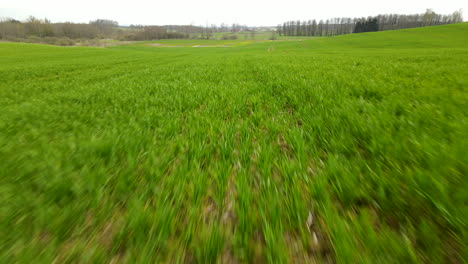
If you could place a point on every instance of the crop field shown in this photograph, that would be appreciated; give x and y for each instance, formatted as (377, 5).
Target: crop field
(349, 149)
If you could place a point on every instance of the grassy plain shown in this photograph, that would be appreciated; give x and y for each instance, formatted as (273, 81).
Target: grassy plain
(349, 149)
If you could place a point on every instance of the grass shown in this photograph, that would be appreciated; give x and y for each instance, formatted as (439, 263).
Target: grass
(349, 149)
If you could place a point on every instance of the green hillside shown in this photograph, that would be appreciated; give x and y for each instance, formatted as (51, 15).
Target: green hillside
(446, 36)
(348, 149)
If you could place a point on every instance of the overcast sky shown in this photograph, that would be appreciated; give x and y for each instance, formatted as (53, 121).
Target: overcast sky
(201, 12)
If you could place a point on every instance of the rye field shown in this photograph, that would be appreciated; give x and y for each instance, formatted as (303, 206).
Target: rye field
(349, 149)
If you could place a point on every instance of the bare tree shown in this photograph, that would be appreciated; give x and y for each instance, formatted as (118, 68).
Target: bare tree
(339, 26)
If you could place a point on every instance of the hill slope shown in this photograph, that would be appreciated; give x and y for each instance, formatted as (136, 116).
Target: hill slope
(446, 36)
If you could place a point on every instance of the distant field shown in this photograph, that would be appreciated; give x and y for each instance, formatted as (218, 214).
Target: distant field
(200, 43)
(196, 43)
(349, 149)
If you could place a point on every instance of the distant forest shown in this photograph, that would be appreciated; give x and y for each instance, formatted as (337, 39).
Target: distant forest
(340, 26)
(44, 31)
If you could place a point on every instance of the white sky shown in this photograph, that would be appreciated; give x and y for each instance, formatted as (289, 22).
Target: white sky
(201, 12)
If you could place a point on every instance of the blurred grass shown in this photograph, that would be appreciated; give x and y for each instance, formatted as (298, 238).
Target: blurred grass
(349, 149)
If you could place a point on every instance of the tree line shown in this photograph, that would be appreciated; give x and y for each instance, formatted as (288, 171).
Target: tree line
(43, 30)
(340, 26)
(11, 29)
(31, 28)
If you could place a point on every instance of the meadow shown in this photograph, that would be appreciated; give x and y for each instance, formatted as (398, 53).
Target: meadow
(348, 149)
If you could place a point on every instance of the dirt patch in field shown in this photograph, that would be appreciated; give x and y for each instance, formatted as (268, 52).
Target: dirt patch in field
(159, 45)
(229, 218)
(210, 46)
(154, 44)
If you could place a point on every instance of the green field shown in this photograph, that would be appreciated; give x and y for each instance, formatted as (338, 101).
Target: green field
(351, 149)
(178, 43)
